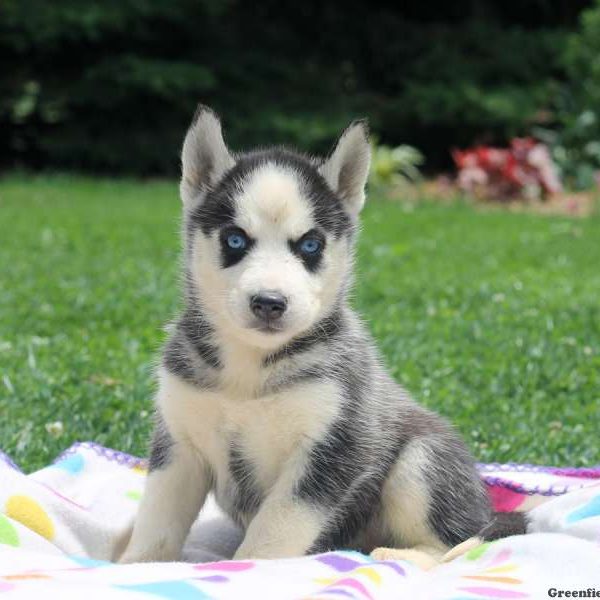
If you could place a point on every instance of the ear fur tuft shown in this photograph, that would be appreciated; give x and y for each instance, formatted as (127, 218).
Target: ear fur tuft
(347, 168)
(204, 157)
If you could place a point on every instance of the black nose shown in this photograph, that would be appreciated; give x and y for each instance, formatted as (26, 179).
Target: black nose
(268, 306)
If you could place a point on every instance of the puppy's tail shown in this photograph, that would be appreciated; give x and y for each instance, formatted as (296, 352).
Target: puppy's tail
(504, 524)
(501, 525)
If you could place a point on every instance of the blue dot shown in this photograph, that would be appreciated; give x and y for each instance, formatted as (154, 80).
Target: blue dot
(82, 561)
(179, 590)
(591, 509)
(72, 464)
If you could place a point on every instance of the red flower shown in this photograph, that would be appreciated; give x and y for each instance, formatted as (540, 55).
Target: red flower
(525, 167)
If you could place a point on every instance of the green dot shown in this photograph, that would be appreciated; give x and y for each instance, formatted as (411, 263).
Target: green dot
(8, 533)
(134, 495)
(477, 552)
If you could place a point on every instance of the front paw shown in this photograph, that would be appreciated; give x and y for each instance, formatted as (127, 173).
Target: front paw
(157, 551)
(419, 558)
(267, 551)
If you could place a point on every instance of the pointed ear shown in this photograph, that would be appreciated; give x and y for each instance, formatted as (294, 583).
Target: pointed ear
(204, 157)
(347, 168)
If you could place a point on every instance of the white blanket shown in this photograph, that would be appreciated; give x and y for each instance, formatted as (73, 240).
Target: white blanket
(60, 528)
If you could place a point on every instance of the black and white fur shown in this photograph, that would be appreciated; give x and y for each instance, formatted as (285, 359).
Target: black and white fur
(293, 422)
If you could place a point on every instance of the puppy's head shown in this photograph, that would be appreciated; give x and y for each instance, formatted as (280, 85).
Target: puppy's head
(269, 234)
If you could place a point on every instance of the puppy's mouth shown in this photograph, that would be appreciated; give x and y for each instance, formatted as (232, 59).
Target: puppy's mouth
(268, 327)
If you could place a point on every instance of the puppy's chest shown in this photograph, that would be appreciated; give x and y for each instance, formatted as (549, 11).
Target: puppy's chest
(249, 442)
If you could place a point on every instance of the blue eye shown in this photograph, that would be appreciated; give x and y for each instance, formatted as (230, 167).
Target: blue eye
(310, 246)
(236, 241)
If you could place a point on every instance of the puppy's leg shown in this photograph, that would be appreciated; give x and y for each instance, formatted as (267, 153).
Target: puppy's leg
(175, 492)
(432, 501)
(284, 525)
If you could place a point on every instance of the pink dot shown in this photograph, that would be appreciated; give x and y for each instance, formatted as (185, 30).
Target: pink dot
(501, 557)
(353, 584)
(505, 500)
(227, 565)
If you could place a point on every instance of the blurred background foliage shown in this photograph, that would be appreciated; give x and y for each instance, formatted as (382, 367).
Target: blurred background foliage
(110, 86)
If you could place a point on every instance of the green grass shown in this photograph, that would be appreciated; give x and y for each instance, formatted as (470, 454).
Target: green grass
(491, 318)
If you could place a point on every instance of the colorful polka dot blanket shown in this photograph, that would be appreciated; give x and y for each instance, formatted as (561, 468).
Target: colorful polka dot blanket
(60, 527)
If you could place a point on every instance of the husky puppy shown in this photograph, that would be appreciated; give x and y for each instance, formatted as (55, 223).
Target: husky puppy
(272, 394)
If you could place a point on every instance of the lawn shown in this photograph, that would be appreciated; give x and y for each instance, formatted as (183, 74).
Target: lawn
(491, 318)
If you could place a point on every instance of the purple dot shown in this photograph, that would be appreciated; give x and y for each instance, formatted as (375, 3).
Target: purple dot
(214, 578)
(392, 565)
(338, 562)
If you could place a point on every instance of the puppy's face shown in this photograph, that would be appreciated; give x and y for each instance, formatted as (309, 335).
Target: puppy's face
(269, 237)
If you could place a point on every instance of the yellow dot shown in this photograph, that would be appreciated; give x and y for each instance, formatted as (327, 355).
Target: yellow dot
(325, 580)
(371, 573)
(26, 576)
(28, 512)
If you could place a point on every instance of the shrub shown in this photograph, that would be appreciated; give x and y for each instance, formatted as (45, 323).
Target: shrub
(394, 168)
(112, 85)
(575, 142)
